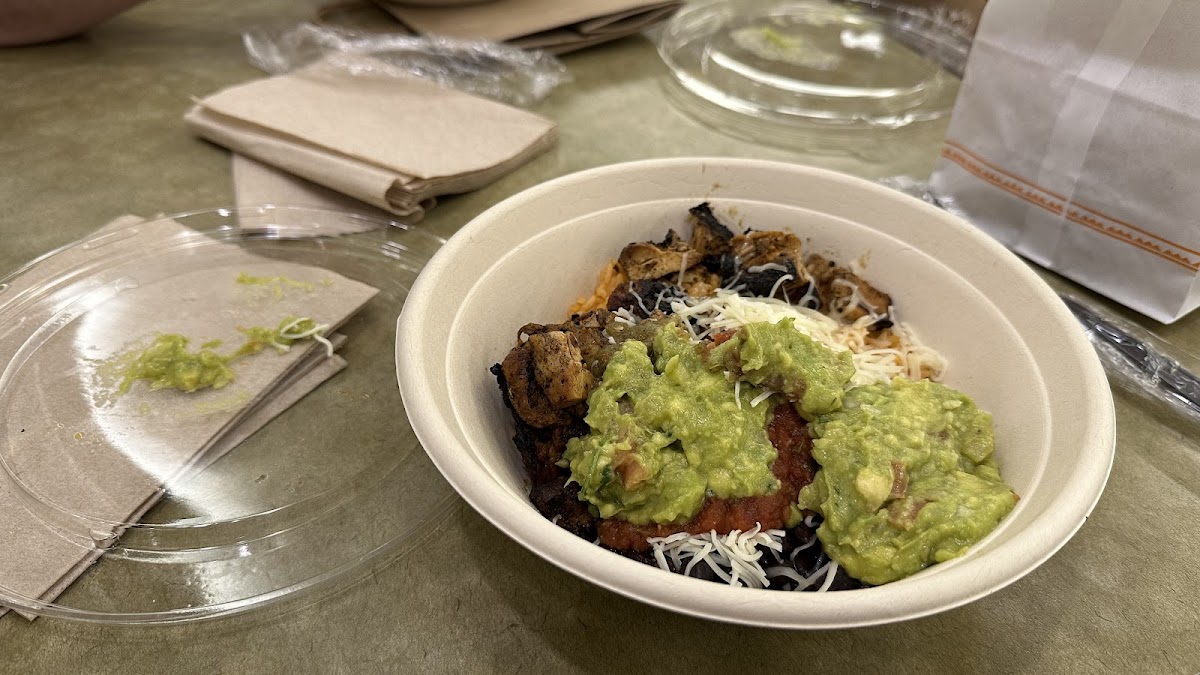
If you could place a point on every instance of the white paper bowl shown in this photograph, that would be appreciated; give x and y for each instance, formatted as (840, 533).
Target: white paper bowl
(1010, 342)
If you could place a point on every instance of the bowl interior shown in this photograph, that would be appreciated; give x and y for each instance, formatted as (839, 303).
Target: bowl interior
(1011, 345)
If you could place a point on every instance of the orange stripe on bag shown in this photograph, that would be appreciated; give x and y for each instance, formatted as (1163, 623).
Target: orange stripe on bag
(961, 148)
(1119, 235)
(1035, 194)
(1009, 184)
(1135, 227)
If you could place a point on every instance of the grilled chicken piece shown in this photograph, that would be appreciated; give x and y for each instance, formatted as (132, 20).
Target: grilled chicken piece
(528, 400)
(762, 248)
(552, 369)
(700, 283)
(648, 260)
(709, 236)
(560, 369)
(540, 451)
(779, 250)
(673, 259)
(589, 332)
(837, 285)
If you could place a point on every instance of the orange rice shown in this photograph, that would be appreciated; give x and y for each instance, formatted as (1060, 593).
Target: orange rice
(611, 277)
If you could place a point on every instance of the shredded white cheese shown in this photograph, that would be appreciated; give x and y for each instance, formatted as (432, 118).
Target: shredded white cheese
(779, 282)
(810, 297)
(661, 294)
(292, 332)
(833, 567)
(733, 284)
(625, 316)
(639, 299)
(760, 398)
(766, 267)
(843, 305)
(734, 557)
(796, 551)
(828, 571)
(737, 558)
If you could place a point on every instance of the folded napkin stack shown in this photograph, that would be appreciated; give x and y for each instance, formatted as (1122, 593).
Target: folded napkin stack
(555, 26)
(394, 143)
(255, 184)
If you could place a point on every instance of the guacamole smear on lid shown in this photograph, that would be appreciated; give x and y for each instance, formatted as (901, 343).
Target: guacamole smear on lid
(907, 479)
(274, 281)
(167, 363)
(666, 432)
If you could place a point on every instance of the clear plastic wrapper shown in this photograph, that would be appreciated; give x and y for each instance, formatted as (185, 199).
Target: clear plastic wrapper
(912, 187)
(489, 69)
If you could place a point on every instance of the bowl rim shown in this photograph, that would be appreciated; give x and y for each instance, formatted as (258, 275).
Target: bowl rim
(1049, 531)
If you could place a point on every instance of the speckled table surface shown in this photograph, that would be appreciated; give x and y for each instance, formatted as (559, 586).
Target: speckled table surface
(90, 128)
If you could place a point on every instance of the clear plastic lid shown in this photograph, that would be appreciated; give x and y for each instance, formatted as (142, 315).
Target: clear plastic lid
(772, 69)
(321, 488)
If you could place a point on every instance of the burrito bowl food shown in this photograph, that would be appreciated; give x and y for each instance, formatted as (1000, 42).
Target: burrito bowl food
(734, 407)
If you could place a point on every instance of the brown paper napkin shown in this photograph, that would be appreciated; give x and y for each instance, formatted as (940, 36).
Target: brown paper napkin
(394, 143)
(553, 25)
(79, 470)
(255, 184)
(298, 385)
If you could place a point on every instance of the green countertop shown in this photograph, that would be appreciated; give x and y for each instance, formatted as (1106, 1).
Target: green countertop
(91, 128)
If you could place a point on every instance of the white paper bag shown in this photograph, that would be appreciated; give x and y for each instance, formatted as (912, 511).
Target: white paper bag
(1075, 141)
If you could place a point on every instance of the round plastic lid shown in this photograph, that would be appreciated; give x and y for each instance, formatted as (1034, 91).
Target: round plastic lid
(143, 507)
(759, 68)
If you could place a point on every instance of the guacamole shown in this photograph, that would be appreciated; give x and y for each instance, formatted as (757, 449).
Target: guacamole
(779, 357)
(666, 432)
(277, 282)
(907, 479)
(168, 364)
